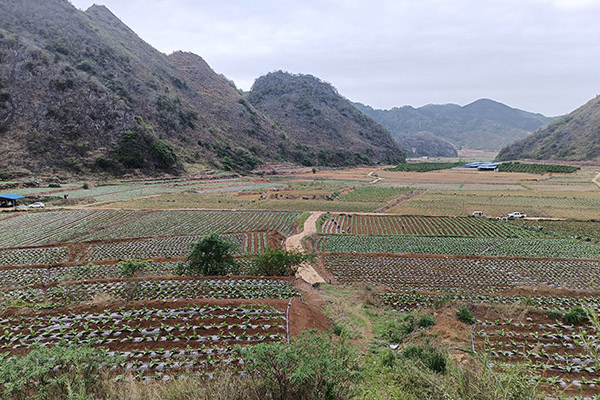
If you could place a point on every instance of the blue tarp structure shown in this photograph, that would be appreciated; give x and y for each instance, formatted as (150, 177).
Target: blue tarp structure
(483, 165)
(9, 199)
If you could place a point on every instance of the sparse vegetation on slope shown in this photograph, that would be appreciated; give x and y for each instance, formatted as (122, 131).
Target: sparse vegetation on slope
(330, 129)
(576, 136)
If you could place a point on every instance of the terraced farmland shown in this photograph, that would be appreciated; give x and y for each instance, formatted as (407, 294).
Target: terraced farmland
(540, 248)
(170, 247)
(164, 325)
(175, 288)
(460, 274)
(559, 352)
(85, 225)
(421, 226)
(158, 338)
(407, 302)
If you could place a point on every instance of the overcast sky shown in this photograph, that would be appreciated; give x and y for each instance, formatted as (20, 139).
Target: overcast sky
(538, 55)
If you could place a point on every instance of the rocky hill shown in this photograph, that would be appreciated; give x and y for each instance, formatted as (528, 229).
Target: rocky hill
(81, 93)
(328, 128)
(575, 137)
(481, 125)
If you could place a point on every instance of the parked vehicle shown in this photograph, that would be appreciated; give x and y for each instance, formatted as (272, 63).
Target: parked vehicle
(37, 204)
(516, 214)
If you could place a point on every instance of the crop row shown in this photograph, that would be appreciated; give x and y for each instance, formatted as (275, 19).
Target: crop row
(55, 226)
(455, 275)
(422, 226)
(198, 223)
(561, 353)
(173, 246)
(542, 248)
(536, 168)
(80, 225)
(34, 256)
(20, 277)
(402, 244)
(165, 289)
(159, 247)
(405, 302)
(157, 339)
(424, 166)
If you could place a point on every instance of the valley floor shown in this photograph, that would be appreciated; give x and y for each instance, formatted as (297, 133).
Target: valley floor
(410, 286)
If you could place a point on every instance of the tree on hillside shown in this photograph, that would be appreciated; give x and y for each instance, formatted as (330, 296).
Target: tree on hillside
(280, 262)
(211, 256)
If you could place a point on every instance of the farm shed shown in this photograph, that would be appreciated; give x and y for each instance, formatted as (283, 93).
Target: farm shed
(488, 166)
(9, 199)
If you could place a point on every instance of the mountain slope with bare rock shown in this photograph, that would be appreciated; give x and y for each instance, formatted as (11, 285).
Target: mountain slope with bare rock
(328, 128)
(574, 137)
(81, 93)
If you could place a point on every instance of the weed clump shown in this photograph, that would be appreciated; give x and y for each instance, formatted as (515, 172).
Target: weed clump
(464, 315)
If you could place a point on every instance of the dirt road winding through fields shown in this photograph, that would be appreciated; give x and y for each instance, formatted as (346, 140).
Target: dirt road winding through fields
(596, 180)
(306, 271)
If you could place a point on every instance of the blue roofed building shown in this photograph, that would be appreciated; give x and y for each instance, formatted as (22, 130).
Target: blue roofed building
(9, 199)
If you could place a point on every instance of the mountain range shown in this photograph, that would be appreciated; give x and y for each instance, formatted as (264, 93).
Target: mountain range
(80, 92)
(443, 130)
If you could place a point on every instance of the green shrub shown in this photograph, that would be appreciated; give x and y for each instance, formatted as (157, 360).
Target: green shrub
(4, 96)
(553, 314)
(57, 372)
(279, 262)
(395, 330)
(424, 166)
(129, 268)
(425, 321)
(431, 357)
(142, 150)
(464, 315)
(313, 366)
(210, 256)
(576, 316)
(163, 155)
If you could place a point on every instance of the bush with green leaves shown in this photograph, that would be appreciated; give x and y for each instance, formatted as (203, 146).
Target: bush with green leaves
(395, 330)
(212, 255)
(279, 262)
(464, 315)
(58, 372)
(431, 357)
(576, 316)
(425, 321)
(313, 366)
(129, 268)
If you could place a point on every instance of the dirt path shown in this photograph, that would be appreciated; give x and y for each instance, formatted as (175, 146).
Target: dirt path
(370, 174)
(306, 271)
(394, 202)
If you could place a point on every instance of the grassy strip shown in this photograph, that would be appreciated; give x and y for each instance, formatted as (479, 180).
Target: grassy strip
(424, 167)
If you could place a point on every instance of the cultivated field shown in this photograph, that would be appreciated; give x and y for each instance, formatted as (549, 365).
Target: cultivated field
(406, 237)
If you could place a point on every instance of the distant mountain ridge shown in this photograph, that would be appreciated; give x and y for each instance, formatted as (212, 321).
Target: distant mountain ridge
(330, 128)
(574, 137)
(81, 93)
(482, 125)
